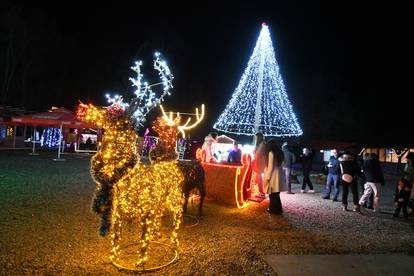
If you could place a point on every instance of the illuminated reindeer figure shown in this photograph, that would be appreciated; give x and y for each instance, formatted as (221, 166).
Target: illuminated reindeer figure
(115, 158)
(126, 189)
(192, 169)
(120, 122)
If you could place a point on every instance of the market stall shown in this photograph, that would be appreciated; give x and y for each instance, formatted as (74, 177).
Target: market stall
(56, 118)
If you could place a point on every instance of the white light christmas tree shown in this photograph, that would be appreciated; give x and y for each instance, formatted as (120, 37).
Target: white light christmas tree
(260, 102)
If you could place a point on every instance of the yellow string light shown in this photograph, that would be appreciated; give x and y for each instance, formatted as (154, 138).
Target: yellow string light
(182, 128)
(140, 192)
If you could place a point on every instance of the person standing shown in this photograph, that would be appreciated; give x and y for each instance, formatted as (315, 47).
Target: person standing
(401, 198)
(408, 174)
(274, 176)
(369, 203)
(350, 171)
(306, 160)
(259, 162)
(374, 180)
(333, 176)
(289, 159)
(235, 154)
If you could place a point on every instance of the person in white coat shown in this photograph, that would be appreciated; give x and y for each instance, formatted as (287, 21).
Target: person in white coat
(210, 147)
(274, 176)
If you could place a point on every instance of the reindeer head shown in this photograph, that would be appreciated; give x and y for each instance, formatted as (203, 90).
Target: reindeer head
(117, 149)
(168, 129)
(111, 117)
(166, 145)
(175, 122)
(121, 121)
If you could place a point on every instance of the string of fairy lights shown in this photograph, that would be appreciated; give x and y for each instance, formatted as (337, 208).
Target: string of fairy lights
(127, 189)
(145, 98)
(260, 102)
(140, 192)
(50, 137)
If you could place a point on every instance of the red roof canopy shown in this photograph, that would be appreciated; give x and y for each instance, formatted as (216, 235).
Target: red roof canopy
(54, 118)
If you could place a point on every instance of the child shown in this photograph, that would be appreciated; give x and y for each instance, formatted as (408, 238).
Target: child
(401, 198)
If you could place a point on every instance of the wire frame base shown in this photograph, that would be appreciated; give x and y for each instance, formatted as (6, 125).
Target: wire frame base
(187, 218)
(131, 266)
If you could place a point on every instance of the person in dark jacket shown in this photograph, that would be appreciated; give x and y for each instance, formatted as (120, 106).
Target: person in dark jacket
(374, 178)
(401, 197)
(289, 159)
(408, 174)
(235, 154)
(306, 160)
(369, 203)
(350, 171)
(333, 176)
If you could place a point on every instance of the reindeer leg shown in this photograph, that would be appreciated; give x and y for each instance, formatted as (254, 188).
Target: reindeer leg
(116, 236)
(202, 190)
(186, 195)
(144, 243)
(115, 216)
(177, 213)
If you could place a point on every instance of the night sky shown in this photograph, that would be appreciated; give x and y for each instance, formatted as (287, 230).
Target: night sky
(347, 67)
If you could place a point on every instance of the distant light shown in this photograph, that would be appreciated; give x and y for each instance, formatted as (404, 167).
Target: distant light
(247, 148)
(321, 151)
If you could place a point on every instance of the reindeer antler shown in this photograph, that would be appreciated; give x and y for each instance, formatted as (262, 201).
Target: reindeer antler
(145, 99)
(175, 121)
(169, 119)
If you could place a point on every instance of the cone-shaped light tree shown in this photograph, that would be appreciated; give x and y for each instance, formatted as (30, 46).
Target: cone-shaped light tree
(260, 102)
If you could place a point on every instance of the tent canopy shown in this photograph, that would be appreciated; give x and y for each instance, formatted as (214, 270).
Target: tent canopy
(55, 118)
(224, 139)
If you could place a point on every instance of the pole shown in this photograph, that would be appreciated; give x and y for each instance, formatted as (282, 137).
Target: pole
(60, 144)
(14, 136)
(34, 140)
(24, 132)
(60, 140)
(258, 111)
(34, 143)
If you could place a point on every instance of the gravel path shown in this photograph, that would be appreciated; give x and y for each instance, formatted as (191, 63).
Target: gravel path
(350, 232)
(46, 227)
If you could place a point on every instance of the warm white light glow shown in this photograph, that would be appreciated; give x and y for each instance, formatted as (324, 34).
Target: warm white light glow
(182, 128)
